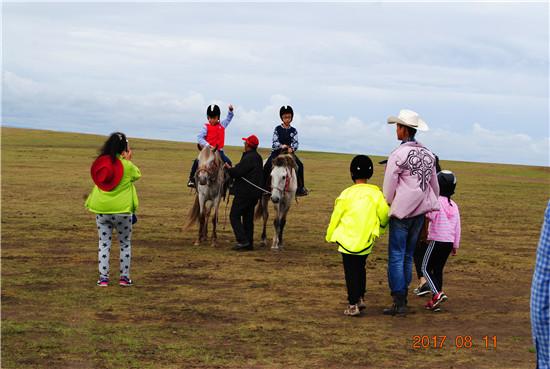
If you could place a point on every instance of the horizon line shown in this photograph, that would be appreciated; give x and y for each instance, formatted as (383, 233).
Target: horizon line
(267, 148)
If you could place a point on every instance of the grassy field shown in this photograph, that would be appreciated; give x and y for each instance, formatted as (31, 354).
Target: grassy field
(204, 307)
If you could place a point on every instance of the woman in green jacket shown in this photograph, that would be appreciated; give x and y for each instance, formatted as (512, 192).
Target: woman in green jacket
(360, 216)
(114, 201)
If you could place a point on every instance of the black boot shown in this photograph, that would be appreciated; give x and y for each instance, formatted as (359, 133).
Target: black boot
(246, 246)
(302, 191)
(191, 182)
(399, 306)
(393, 308)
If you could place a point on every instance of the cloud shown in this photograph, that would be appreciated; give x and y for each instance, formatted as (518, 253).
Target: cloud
(17, 86)
(180, 117)
(199, 49)
(488, 145)
(353, 135)
(153, 68)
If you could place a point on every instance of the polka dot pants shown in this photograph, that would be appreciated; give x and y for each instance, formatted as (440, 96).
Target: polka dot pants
(105, 225)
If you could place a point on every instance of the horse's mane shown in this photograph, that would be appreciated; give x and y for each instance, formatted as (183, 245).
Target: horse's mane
(206, 155)
(284, 160)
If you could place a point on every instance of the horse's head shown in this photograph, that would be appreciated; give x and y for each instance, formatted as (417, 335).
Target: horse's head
(283, 177)
(209, 166)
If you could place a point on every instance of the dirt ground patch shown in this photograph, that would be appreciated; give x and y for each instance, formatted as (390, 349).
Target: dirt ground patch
(210, 307)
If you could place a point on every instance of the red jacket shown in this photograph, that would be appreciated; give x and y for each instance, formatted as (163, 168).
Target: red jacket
(215, 135)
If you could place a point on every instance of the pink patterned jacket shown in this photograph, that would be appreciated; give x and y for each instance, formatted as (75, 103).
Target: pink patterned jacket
(410, 181)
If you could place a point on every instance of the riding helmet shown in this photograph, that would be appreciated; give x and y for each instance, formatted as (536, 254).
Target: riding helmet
(286, 109)
(447, 183)
(213, 111)
(361, 167)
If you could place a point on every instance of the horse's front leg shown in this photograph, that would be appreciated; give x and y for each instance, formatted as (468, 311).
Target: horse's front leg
(201, 226)
(215, 222)
(282, 223)
(201, 216)
(276, 226)
(265, 215)
(275, 244)
(207, 211)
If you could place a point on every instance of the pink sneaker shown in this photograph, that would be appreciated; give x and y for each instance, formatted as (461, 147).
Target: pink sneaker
(103, 282)
(125, 282)
(439, 299)
(435, 303)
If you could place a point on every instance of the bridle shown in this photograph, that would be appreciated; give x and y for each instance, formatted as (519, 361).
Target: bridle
(287, 182)
(211, 171)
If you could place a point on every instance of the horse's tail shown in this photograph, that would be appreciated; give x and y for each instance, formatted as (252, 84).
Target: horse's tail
(259, 208)
(194, 213)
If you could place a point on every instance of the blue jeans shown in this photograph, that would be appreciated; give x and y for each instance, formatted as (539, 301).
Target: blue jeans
(403, 237)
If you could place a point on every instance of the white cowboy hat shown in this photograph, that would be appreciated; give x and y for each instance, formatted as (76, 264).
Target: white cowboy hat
(409, 118)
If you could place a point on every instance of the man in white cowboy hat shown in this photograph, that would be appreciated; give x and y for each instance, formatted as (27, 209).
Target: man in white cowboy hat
(411, 188)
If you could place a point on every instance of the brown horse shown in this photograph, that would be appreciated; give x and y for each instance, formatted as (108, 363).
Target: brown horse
(283, 190)
(210, 184)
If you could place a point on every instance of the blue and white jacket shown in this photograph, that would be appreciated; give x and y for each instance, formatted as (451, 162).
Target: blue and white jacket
(285, 136)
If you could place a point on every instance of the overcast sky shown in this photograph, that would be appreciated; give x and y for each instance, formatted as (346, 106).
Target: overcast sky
(476, 73)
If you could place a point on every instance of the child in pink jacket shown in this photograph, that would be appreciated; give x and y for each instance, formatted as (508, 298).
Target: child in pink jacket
(443, 238)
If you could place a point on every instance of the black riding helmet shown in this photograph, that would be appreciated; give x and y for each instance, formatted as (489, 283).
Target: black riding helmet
(213, 111)
(361, 167)
(447, 183)
(285, 109)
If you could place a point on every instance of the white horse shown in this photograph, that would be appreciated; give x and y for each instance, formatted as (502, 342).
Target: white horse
(210, 184)
(283, 191)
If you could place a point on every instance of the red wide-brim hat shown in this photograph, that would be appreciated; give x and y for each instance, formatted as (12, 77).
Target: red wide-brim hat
(105, 173)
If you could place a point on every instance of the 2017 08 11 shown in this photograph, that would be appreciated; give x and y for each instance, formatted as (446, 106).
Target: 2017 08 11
(425, 342)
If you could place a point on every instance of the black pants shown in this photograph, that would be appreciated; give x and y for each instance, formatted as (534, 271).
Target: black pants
(300, 165)
(269, 165)
(419, 252)
(242, 219)
(356, 276)
(434, 262)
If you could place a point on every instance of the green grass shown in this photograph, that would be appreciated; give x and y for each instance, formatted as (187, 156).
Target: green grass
(204, 307)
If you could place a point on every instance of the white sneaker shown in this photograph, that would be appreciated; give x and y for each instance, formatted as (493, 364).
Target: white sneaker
(352, 310)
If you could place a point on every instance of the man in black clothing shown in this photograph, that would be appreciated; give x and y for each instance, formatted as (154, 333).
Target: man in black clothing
(247, 173)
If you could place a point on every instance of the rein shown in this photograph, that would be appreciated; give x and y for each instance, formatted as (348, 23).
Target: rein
(287, 180)
(285, 189)
(253, 185)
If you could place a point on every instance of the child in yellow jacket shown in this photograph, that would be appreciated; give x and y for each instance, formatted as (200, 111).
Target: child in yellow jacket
(360, 216)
